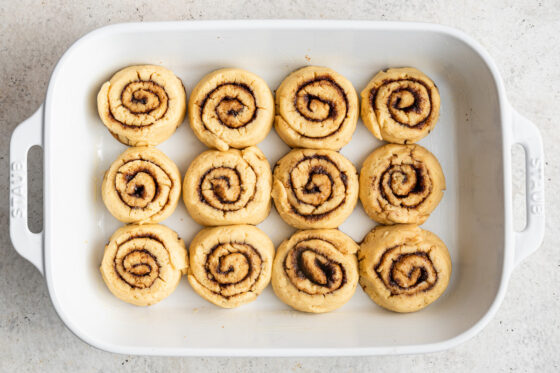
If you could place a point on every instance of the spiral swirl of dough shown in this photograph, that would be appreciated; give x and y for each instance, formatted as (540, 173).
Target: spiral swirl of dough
(401, 184)
(142, 186)
(143, 264)
(231, 187)
(403, 268)
(230, 265)
(231, 108)
(142, 105)
(317, 108)
(316, 270)
(315, 188)
(400, 105)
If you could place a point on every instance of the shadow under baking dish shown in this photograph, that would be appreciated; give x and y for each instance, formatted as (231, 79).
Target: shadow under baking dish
(78, 149)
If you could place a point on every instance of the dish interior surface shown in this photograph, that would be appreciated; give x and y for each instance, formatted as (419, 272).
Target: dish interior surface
(78, 150)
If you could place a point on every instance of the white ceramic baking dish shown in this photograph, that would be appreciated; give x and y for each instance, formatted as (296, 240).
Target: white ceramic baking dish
(472, 140)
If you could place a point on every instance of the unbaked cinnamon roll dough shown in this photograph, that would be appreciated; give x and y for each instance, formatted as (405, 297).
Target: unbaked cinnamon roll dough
(230, 265)
(142, 105)
(315, 188)
(316, 108)
(316, 270)
(403, 268)
(142, 186)
(401, 184)
(400, 105)
(143, 264)
(230, 187)
(231, 108)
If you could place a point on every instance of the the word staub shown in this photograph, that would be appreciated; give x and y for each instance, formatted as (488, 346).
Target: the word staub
(17, 190)
(536, 186)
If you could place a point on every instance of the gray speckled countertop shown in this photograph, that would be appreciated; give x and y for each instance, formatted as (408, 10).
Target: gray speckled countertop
(524, 40)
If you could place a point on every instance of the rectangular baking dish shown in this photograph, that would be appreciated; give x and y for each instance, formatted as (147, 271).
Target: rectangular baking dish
(472, 140)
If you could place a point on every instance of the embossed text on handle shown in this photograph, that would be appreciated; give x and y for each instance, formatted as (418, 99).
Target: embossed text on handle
(535, 179)
(17, 190)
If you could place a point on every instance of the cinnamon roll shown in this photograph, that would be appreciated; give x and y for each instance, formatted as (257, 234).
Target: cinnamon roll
(142, 105)
(400, 105)
(142, 186)
(143, 264)
(315, 188)
(401, 184)
(403, 268)
(231, 187)
(231, 108)
(316, 270)
(316, 108)
(231, 265)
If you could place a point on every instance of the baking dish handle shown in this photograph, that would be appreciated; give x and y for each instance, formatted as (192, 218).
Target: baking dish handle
(526, 134)
(27, 134)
